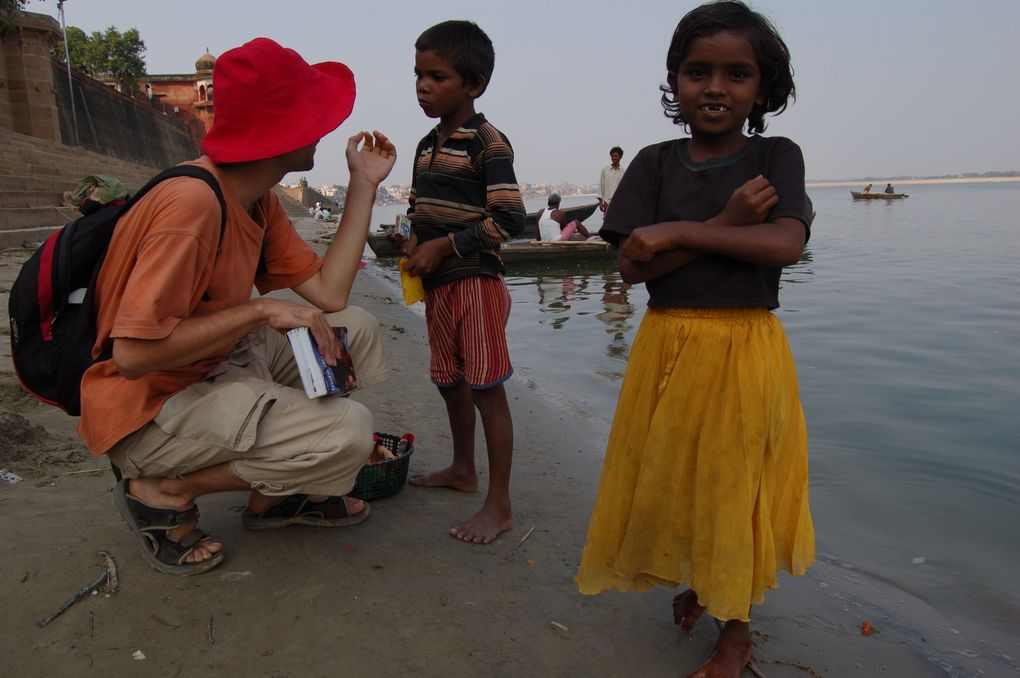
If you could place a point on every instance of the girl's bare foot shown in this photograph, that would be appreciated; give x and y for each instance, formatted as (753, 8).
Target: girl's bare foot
(484, 526)
(686, 610)
(447, 477)
(732, 652)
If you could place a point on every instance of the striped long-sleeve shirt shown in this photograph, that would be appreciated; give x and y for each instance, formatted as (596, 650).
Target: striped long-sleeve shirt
(468, 188)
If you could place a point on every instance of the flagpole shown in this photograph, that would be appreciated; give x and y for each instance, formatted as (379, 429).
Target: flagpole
(70, 81)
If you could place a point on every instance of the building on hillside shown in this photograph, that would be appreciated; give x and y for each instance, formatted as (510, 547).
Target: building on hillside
(187, 97)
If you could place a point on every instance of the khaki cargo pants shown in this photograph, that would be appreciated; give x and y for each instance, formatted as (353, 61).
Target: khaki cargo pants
(252, 412)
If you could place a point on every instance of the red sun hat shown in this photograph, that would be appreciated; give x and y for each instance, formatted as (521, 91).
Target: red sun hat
(269, 101)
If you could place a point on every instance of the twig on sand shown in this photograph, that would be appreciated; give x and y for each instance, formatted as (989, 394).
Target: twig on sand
(754, 670)
(212, 641)
(164, 622)
(107, 578)
(112, 580)
(513, 553)
(87, 470)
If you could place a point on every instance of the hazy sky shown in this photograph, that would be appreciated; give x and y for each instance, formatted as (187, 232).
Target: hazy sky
(886, 87)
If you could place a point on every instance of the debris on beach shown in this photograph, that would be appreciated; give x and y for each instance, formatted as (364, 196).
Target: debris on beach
(235, 576)
(867, 629)
(513, 554)
(108, 579)
(558, 626)
(160, 620)
(138, 655)
(9, 477)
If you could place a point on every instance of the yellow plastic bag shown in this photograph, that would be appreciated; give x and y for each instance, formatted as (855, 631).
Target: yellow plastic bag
(414, 291)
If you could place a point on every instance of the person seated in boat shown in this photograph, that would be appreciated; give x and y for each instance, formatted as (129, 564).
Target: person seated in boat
(889, 188)
(550, 223)
(867, 189)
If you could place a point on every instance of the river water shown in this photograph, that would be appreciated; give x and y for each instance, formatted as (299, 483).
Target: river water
(904, 319)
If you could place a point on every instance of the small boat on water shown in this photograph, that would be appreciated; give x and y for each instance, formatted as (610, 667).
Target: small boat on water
(556, 252)
(526, 251)
(861, 195)
(382, 247)
(380, 244)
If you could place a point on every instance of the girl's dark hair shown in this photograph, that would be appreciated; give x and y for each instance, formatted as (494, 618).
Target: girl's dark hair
(465, 45)
(772, 53)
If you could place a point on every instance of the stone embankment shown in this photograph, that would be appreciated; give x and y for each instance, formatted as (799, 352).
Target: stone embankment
(34, 173)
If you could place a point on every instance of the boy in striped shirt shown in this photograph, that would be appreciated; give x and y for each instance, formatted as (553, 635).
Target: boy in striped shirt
(464, 204)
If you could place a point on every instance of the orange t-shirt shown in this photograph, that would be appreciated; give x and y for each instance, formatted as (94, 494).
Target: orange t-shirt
(162, 267)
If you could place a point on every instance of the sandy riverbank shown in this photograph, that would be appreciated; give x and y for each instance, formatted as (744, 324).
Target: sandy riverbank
(395, 595)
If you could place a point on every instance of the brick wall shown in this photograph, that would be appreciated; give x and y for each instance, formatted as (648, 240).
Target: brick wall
(35, 100)
(29, 106)
(115, 124)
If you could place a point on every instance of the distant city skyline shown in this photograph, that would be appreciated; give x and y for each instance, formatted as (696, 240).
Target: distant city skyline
(909, 88)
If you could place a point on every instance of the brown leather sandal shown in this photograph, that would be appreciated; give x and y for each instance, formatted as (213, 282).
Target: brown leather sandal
(298, 509)
(151, 524)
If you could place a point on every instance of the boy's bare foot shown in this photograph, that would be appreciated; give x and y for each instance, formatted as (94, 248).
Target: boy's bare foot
(447, 477)
(731, 654)
(483, 527)
(686, 610)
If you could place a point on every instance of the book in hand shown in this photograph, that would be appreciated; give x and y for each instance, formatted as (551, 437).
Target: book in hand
(402, 225)
(318, 378)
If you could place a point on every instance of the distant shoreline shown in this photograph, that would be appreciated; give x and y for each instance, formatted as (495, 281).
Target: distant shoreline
(914, 182)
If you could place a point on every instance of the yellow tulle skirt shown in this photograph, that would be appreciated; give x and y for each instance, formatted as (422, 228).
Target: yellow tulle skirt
(705, 480)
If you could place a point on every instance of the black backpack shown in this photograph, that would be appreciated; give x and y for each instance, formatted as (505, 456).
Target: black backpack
(52, 305)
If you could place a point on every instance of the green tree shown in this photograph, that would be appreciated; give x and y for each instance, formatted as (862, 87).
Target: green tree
(111, 54)
(8, 10)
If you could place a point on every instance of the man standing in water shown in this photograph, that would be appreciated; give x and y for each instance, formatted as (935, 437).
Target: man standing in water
(610, 178)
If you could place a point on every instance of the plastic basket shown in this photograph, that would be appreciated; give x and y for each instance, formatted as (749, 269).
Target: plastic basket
(384, 478)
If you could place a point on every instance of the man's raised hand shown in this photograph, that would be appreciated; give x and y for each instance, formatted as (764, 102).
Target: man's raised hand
(370, 156)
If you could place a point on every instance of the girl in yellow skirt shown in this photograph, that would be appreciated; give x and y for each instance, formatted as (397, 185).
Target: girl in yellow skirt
(705, 477)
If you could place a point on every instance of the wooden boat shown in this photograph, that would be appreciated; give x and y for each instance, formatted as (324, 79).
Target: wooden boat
(519, 252)
(382, 247)
(558, 252)
(860, 195)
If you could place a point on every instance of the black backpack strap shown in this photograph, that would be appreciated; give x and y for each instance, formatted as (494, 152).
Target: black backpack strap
(65, 255)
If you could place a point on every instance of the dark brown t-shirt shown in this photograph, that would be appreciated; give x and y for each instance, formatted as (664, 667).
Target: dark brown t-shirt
(662, 183)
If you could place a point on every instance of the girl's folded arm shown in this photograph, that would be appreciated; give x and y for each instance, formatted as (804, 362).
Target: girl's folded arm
(776, 243)
(634, 271)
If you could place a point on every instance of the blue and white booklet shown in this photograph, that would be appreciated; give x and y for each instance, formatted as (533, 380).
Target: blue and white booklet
(318, 378)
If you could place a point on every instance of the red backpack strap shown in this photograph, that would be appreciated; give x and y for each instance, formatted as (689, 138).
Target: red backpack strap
(44, 286)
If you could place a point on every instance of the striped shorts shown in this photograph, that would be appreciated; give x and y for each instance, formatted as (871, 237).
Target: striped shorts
(466, 322)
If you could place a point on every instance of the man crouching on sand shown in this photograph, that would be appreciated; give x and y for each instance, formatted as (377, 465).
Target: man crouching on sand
(202, 394)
